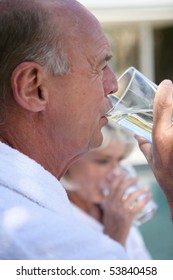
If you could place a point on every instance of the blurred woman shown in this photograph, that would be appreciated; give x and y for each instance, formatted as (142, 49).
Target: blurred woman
(97, 181)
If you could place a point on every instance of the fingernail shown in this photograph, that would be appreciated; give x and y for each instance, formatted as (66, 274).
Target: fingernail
(166, 83)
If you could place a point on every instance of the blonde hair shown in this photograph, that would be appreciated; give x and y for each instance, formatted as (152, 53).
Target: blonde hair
(113, 133)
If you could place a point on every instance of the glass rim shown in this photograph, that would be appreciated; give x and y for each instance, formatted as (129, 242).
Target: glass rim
(132, 68)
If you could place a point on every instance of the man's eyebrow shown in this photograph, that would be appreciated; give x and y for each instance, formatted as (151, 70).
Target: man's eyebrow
(108, 57)
(105, 58)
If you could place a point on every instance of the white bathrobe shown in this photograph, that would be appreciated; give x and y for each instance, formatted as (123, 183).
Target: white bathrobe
(135, 246)
(36, 217)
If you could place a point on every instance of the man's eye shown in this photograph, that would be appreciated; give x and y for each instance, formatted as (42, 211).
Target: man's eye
(104, 67)
(102, 70)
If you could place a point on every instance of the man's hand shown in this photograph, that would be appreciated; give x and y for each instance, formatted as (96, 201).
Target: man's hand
(159, 154)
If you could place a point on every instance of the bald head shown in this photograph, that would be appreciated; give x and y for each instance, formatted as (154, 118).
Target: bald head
(28, 33)
(53, 58)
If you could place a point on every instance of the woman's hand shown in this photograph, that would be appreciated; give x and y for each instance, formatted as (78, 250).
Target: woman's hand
(120, 209)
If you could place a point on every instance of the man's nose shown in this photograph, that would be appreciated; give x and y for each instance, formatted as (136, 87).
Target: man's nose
(110, 82)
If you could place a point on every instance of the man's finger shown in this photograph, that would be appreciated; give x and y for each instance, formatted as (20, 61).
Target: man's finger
(162, 111)
(145, 147)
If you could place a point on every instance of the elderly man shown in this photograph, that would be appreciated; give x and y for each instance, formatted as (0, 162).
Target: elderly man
(54, 82)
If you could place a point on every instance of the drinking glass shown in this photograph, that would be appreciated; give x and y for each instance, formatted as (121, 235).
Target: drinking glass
(132, 104)
(150, 209)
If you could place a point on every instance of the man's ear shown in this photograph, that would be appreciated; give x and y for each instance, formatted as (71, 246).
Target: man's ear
(27, 86)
